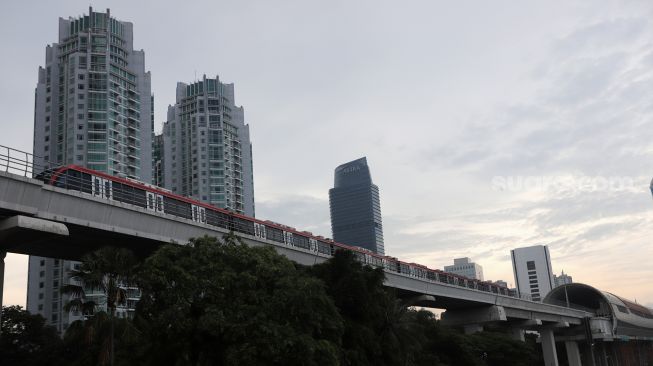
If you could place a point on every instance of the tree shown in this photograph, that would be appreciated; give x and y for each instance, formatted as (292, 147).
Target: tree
(26, 340)
(214, 302)
(87, 342)
(107, 271)
(376, 328)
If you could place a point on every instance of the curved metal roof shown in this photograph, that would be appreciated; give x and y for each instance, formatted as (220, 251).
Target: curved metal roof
(628, 318)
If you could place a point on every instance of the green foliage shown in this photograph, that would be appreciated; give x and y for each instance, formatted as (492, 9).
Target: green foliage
(88, 342)
(103, 270)
(375, 329)
(220, 302)
(26, 340)
(227, 303)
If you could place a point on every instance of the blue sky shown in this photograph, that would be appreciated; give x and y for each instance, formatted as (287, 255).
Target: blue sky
(442, 97)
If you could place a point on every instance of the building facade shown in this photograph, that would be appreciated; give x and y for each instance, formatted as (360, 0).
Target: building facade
(356, 208)
(563, 279)
(532, 269)
(93, 108)
(465, 267)
(207, 153)
(157, 161)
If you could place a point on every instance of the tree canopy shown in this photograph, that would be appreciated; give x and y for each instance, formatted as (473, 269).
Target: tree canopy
(220, 302)
(227, 303)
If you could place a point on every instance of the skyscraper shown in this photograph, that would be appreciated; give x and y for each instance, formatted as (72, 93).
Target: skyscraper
(465, 267)
(563, 279)
(356, 208)
(93, 108)
(207, 153)
(533, 273)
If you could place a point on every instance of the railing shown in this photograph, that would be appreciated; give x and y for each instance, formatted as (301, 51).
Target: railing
(18, 162)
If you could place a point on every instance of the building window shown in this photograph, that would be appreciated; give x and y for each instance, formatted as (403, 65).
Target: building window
(530, 265)
(42, 274)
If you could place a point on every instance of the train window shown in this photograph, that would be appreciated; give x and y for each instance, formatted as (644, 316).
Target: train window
(159, 203)
(107, 189)
(274, 234)
(243, 226)
(217, 218)
(301, 242)
(178, 208)
(96, 186)
(323, 248)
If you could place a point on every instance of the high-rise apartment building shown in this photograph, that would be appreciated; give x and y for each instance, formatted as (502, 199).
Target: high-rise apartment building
(207, 153)
(465, 267)
(356, 208)
(94, 109)
(532, 269)
(157, 161)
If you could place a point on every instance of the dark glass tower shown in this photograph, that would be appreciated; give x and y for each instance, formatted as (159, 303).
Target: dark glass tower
(356, 208)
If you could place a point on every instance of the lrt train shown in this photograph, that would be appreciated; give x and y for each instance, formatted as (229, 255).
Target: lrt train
(163, 201)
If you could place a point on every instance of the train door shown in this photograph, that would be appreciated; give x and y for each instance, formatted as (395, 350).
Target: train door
(158, 203)
(259, 230)
(154, 202)
(151, 201)
(199, 214)
(287, 238)
(313, 244)
(101, 187)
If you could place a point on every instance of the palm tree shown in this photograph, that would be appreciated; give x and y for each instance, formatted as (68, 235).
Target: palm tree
(107, 271)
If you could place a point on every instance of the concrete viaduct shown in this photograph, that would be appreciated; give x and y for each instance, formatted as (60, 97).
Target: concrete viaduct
(43, 220)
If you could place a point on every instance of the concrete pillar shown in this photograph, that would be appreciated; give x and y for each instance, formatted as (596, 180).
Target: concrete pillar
(2, 282)
(549, 347)
(517, 334)
(472, 328)
(573, 354)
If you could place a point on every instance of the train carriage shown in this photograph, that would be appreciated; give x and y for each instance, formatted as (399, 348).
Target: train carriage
(159, 200)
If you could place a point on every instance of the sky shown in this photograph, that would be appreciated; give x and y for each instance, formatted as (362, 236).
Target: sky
(487, 125)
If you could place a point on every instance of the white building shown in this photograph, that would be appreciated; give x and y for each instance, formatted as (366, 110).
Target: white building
(93, 108)
(532, 269)
(465, 267)
(207, 152)
(563, 279)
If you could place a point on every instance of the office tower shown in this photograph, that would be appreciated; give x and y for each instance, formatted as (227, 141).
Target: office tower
(207, 153)
(356, 208)
(465, 267)
(563, 279)
(532, 269)
(93, 108)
